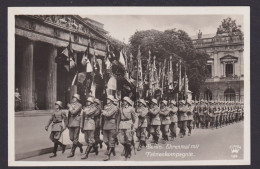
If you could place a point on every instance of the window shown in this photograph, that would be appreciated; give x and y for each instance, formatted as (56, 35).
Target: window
(229, 70)
(209, 70)
(230, 95)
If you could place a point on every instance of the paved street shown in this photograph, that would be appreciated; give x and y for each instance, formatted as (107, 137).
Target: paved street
(203, 144)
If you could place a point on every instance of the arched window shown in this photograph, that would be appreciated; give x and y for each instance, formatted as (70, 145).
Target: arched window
(208, 95)
(230, 94)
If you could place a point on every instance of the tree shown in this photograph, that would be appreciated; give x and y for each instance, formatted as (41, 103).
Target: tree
(175, 43)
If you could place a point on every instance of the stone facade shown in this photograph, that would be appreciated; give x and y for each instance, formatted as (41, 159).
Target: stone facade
(225, 66)
(38, 39)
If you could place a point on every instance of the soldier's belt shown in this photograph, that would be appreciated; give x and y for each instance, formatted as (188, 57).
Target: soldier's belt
(57, 122)
(125, 119)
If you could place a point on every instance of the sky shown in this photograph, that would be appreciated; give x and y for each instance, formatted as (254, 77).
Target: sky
(122, 27)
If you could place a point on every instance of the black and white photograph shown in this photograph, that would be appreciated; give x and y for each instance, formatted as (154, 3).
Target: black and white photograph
(102, 86)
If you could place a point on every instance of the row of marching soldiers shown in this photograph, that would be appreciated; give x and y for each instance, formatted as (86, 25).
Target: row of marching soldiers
(119, 121)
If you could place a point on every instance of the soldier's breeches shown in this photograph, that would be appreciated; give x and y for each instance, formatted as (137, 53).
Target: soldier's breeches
(125, 136)
(173, 129)
(165, 129)
(155, 130)
(74, 134)
(109, 137)
(89, 137)
(183, 126)
(140, 133)
(190, 124)
(55, 136)
(97, 130)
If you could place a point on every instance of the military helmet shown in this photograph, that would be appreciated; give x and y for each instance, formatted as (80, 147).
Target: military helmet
(97, 101)
(90, 99)
(77, 96)
(111, 97)
(142, 101)
(154, 101)
(173, 102)
(59, 103)
(128, 100)
(164, 102)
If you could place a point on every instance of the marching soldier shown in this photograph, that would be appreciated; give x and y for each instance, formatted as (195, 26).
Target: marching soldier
(74, 118)
(88, 126)
(174, 119)
(165, 120)
(182, 118)
(196, 114)
(206, 113)
(97, 125)
(142, 112)
(224, 110)
(218, 114)
(202, 110)
(221, 114)
(110, 125)
(155, 121)
(190, 110)
(127, 123)
(212, 114)
(228, 112)
(56, 119)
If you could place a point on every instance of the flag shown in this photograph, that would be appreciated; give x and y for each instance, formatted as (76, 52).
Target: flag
(108, 56)
(179, 77)
(85, 60)
(186, 82)
(170, 75)
(122, 59)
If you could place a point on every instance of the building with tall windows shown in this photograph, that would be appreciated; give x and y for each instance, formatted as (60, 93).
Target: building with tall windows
(225, 65)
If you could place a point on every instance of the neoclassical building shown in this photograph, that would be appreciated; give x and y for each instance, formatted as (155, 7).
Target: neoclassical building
(225, 65)
(38, 40)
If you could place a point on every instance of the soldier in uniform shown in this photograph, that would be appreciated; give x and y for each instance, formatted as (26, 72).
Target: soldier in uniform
(127, 123)
(218, 114)
(165, 120)
(190, 110)
(228, 112)
(182, 116)
(74, 118)
(206, 114)
(88, 126)
(196, 114)
(97, 125)
(56, 119)
(212, 114)
(155, 121)
(142, 112)
(110, 125)
(202, 109)
(221, 114)
(174, 119)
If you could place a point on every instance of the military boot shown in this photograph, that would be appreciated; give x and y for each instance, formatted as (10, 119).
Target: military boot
(80, 147)
(139, 148)
(109, 153)
(86, 153)
(72, 151)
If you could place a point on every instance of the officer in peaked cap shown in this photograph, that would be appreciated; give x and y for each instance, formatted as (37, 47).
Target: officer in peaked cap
(141, 112)
(74, 118)
(56, 119)
(155, 121)
(110, 125)
(88, 126)
(127, 123)
(97, 125)
(174, 119)
(182, 118)
(190, 114)
(165, 120)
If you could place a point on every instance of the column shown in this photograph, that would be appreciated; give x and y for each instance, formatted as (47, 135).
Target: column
(27, 82)
(51, 95)
(234, 69)
(224, 69)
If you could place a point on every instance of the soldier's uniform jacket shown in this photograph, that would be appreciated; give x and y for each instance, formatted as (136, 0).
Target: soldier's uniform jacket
(87, 122)
(212, 110)
(190, 110)
(142, 113)
(183, 113)
(128, 118)
(74, 115)
(223, 109)
(56, 120)
(110, 114)
(202, 109)
(165, 116)
(155, 119)
(98, 112)
(173, 114)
